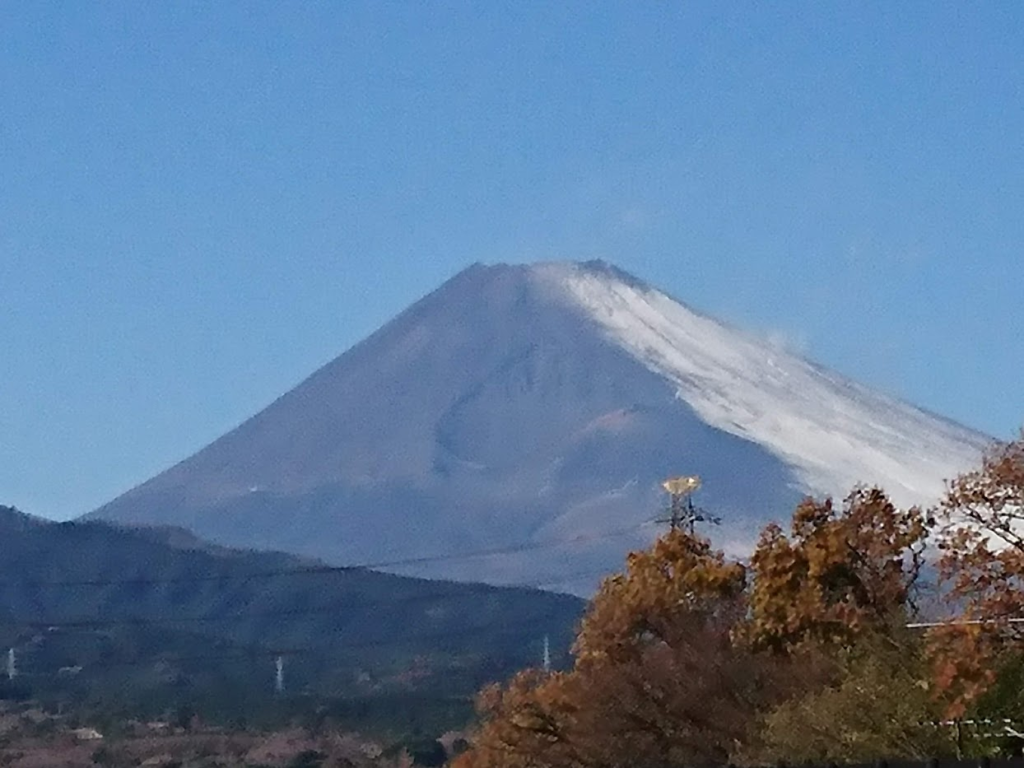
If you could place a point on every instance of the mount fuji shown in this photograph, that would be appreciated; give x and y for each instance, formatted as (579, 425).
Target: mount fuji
(514, 426)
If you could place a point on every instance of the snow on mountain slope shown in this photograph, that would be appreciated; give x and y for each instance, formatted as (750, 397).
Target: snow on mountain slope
(834, 432)
(530, 405)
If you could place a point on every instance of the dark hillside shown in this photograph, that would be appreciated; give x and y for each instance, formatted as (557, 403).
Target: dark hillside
(157, 610)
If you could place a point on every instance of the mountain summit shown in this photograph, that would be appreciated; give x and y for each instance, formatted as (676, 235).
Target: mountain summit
(530, 413)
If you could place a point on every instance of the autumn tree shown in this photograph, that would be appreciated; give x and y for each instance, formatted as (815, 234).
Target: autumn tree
(840, 573)
(835, 594)
(680, 576)
(526, 722)
(982, 565)
(680, 660)
(657, 679)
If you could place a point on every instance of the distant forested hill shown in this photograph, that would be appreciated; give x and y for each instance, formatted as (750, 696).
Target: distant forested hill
(119, 615)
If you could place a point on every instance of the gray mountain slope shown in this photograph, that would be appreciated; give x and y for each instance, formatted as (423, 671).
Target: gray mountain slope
(495, 413)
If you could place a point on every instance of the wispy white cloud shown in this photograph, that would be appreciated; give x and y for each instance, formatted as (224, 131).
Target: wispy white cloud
(795, 342)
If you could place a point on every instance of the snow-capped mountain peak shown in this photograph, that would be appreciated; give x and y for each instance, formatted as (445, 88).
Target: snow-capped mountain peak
(532, 405)
(835, 432)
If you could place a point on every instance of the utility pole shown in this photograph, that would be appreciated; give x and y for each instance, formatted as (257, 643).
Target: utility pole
(547, 654)
(682, 513)
(279, 675)
(12, 664)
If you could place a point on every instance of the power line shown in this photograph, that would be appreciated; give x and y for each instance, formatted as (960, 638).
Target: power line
(499, 629)
(327, 569)
(962, 623)
(144, 621)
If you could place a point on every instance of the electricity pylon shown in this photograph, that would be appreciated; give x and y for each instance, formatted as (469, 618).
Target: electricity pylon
(681, 512)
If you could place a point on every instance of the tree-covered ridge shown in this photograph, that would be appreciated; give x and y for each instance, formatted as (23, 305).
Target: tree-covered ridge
(156, 616)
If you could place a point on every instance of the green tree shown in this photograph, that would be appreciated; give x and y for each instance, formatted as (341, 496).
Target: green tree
(876, 705)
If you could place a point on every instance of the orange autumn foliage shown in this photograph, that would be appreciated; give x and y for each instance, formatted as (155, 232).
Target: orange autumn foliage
(838, 574)
(671, 664)
(680, 576)
(657, 678)
(982, 564)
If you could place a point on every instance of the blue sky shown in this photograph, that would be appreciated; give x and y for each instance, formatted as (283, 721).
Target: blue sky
(200, 203)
